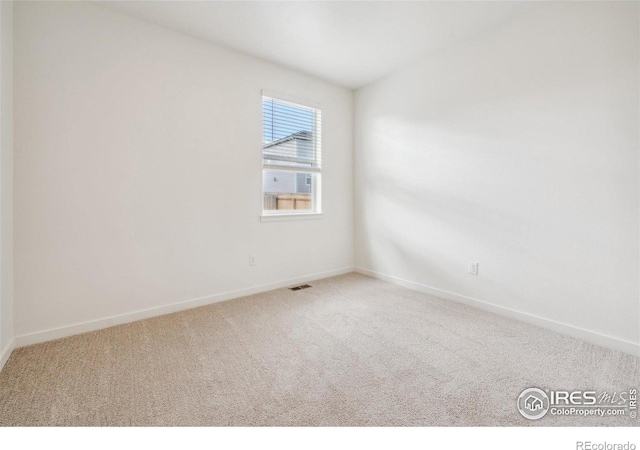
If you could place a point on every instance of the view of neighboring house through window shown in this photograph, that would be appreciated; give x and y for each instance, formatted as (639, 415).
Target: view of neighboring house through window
(291, 161)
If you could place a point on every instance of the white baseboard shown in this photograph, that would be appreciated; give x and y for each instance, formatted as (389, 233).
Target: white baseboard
(631, 348)
(93, 325)
(84, 327)
(5, 353)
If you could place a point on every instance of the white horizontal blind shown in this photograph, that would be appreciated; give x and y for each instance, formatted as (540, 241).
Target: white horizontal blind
(291, 138)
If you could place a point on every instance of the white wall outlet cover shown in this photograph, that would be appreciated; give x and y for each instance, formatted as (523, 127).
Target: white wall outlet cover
(473, 268)
(252, 260)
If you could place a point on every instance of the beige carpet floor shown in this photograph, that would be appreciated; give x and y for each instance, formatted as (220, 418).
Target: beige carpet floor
(352, 350)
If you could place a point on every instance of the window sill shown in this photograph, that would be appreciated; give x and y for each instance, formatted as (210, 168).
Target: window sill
(289, 216)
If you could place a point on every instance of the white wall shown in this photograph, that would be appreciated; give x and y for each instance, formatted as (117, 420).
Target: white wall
(517, 149)
(6, 180)
(138, 176)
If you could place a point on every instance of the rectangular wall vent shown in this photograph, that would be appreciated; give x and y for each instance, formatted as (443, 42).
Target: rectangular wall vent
(302, 286)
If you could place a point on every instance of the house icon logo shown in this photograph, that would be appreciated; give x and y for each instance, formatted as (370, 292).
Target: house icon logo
(533, 403)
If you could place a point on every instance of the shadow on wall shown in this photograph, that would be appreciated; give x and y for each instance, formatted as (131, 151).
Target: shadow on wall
(433, 195)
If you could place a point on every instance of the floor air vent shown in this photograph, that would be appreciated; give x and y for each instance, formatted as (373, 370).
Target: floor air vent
(302, 286)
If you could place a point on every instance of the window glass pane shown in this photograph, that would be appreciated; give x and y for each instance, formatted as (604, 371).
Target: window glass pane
(289, 136)
(286, 190)
(281, 120)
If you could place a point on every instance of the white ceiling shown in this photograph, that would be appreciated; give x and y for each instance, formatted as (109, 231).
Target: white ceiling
(347, 43)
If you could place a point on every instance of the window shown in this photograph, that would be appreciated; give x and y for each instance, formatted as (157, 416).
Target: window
(291, 158)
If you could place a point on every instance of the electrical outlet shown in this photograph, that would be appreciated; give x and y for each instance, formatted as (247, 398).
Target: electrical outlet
(473, 268)
(252, 260)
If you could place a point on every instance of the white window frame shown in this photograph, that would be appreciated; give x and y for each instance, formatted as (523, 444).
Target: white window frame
(316, 177)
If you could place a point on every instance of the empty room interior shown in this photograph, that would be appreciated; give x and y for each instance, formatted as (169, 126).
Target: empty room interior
(319, 213)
